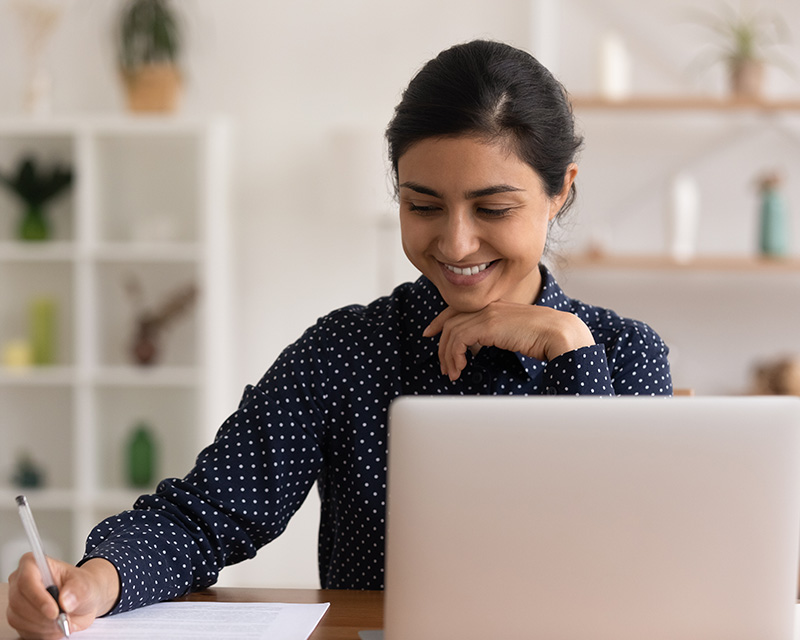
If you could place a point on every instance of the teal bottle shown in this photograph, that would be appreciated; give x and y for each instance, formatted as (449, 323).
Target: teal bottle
(141, 457)
(774, 234)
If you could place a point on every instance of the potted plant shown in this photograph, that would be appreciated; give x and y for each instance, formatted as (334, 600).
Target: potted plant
(149, 47)
(36, 187)
(745, 42)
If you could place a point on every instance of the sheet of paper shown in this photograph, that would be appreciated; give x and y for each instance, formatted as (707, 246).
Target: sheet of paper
(218, 620)
(797, 622)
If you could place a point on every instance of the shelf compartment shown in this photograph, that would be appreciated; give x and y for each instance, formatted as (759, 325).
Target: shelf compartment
(158, 281)
(55, 527)
(46, 150)
(38, 422)
(22, 283)
(170, 414)
(148, 187)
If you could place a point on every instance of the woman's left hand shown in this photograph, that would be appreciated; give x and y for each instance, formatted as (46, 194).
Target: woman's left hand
(539, 332)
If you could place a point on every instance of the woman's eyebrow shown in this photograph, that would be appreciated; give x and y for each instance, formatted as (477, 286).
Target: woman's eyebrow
(469, 195)
(426, 191)
(490, 191)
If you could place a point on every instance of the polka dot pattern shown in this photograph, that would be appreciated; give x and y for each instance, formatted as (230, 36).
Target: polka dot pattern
(319, 414)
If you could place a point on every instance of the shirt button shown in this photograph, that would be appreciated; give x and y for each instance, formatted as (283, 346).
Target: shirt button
(477, 377)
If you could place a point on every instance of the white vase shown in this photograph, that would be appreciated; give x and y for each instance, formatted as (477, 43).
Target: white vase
(683, 217)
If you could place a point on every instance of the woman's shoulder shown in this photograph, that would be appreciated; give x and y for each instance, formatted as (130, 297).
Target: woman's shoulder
(406, 301)
(611, 328)
(607, 326)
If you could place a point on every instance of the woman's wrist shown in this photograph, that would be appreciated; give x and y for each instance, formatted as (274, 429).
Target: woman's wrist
(569, 335)
(106, 583)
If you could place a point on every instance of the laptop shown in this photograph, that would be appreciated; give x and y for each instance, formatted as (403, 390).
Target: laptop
(560, 518)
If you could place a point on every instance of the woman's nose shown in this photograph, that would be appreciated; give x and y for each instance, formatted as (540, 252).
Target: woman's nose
(458, 238)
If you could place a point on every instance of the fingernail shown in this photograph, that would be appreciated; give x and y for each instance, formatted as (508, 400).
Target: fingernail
(68, 601)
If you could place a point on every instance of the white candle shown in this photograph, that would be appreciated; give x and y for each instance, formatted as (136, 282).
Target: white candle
(615, 68)
(684, 210)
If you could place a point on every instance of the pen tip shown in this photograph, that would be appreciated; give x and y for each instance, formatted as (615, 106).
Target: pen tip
(63, 624)
(21, 500)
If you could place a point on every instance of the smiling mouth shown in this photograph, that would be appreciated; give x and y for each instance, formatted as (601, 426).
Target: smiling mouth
(468, 271)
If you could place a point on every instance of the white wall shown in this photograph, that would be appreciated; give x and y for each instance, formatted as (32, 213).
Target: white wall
(294, 74)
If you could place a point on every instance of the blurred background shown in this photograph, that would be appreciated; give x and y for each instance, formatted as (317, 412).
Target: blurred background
(259, 200)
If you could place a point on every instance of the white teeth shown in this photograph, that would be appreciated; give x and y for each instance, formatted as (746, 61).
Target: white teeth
(468, 271)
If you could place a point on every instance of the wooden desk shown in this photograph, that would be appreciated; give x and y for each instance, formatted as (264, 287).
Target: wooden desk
(349, 613)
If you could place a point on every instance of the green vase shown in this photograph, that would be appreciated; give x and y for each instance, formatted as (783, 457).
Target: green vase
(43, 326)
(33, 226)
(141, 457)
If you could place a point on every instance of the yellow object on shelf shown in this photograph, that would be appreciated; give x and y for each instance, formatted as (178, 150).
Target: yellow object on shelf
(17, 354)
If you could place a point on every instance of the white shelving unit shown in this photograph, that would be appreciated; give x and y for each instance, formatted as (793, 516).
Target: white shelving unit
(149, 198)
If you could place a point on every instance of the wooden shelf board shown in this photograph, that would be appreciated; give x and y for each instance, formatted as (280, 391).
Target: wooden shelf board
(684, 103)
(700, 263)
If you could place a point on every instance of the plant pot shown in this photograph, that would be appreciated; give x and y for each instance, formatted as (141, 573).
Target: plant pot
(34, 226)
(747, 79)
(153, 88)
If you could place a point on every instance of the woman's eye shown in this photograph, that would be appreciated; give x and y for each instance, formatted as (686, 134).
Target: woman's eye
(493, 213)
(422, 208)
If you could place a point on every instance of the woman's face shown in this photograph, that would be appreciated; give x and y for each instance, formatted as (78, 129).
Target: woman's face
(474, 219)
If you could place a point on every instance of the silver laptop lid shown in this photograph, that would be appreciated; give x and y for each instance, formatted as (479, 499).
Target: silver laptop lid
(593, 519)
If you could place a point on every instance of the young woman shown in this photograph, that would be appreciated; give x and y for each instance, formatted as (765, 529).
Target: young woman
(483, 151)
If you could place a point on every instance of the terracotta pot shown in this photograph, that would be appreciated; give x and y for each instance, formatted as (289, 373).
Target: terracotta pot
(155, 87)
(747, 79)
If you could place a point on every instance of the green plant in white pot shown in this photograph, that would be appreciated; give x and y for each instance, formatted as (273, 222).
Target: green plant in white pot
(149, 47)
(746, 41)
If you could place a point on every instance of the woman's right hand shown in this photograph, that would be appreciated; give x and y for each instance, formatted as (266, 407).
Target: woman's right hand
(85, 592)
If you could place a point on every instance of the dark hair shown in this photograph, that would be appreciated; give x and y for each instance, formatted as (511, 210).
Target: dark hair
(493, 91)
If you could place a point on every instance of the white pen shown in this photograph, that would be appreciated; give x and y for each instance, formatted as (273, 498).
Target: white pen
(38, 553)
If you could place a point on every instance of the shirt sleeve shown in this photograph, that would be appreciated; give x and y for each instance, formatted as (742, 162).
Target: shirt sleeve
(583, 371)
(640, 362)
(634, 362)
(242, 492)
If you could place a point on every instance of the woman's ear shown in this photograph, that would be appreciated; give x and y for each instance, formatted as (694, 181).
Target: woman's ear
(561, 197)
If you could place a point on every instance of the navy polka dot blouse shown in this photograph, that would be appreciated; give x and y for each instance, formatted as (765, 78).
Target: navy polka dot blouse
(319, 414)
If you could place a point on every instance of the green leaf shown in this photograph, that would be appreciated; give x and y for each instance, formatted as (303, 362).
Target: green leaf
(36, 186)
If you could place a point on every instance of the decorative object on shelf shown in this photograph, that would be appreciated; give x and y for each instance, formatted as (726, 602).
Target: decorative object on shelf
(17, 354)
(27, 473)
(615, 67)
(779, 376)
(150, 323)
(39, 19)
(36, 187)
(683, 217)
(43, 319)
(745, 43)
(141, 456)
(773, 231)
(149, 45)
